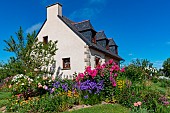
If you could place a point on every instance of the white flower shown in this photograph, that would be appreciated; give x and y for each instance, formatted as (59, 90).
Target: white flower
(22, 84)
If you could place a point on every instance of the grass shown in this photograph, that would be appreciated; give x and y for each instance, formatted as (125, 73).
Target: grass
(4, 98)
(105, 108)
(159, 87)
(5, 95)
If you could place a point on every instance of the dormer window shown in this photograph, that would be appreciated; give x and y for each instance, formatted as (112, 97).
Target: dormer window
(107, 47)
(45, 40)
(94, 39)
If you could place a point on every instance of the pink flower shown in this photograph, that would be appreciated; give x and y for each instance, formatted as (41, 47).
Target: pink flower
(112, 68)
(81, 75)
(53, 77)
(103, 66)
(110, 61)
(77, 78)
(113, 83)
(139, 103)
(88, 70)
(115, 75)
(45, 87)
(117, 68)
(93, 73)
(122, 70)
(110, 73)
(135, 104)
(39, 85)
(99, 67)
(111, 78)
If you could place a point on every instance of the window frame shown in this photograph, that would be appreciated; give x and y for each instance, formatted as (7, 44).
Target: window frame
(99, 60)
(45, 39)
(64, 63)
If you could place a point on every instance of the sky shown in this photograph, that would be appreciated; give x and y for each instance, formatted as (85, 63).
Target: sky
(141, 28)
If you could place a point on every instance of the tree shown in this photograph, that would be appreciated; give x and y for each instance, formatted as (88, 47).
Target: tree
(166, 67)
(31, 55)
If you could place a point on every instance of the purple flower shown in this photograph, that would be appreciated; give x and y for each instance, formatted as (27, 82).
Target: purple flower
(56, 84)
(86, 97)
(51, 90)
(65, 87)
(91, 86)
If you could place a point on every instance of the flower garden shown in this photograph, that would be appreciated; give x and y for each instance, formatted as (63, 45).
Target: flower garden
(27, 87)
(106, 83)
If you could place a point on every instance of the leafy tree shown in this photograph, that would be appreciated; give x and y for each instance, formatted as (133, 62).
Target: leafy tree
(136, 71)
(31, 55)
(166, 67)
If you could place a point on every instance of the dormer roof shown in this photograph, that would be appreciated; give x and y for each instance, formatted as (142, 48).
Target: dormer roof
(84, 25)
(100, 35)
(112, 42)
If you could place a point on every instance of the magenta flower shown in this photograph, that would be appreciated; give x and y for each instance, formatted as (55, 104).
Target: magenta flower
(103, 66)
(110, 73)
(117, 68)
(115, 75)
(110, 61)
(112, 68)
(81, 75)
(122, 70)
(93, 73)
(111, 78)
(114, 84)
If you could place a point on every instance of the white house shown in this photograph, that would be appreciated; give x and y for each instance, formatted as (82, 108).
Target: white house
(79, 45)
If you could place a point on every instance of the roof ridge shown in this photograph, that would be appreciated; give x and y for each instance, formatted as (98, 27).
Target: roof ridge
(81, 21)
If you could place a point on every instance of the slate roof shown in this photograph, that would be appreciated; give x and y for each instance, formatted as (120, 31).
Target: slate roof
(112, 42)
(100, 35)
(86, 25)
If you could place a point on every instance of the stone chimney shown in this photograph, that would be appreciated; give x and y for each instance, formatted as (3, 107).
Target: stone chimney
(53, 11)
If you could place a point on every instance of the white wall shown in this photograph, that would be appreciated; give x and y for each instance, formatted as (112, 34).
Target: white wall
(95, 53)
(69, 45)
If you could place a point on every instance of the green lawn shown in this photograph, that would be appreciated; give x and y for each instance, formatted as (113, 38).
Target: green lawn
(4, 98)
(105, 108)
(5, 95)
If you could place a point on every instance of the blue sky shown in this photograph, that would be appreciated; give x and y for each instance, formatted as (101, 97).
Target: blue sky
(141, 28)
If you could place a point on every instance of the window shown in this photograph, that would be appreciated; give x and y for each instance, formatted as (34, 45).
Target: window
(66, 63)
(45, 39)
(97, 61)
(107, 47)
(94, 39)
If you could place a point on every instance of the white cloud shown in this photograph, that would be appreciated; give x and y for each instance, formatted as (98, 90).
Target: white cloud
(130, 54)
(85, 13)
(34, 28)
(168, 43)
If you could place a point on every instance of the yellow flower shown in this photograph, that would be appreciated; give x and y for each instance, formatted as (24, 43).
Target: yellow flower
(69, 94)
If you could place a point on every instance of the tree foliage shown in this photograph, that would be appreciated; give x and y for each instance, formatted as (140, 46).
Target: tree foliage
(30, 55)
(136, 71)
(166, 67)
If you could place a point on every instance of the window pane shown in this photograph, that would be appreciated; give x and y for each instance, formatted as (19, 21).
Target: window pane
(45, 39)
(66, 63)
